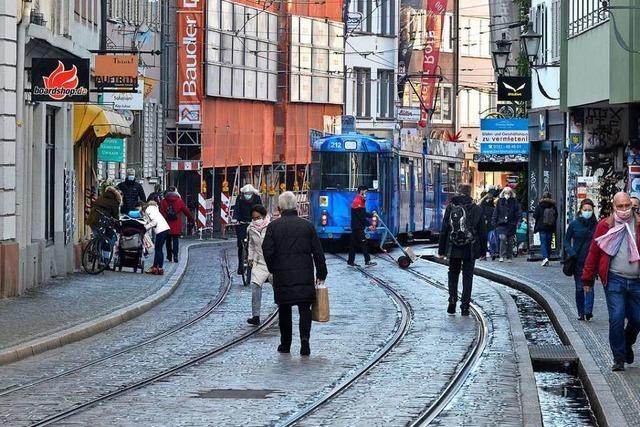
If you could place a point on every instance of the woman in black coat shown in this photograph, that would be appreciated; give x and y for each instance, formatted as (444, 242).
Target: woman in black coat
(291, 248)
(506, 217)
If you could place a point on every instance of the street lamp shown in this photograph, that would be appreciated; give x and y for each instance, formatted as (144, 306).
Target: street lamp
(501, 54)
(530, 41)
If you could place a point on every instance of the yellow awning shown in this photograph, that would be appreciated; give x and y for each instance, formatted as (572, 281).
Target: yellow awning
(87, 117)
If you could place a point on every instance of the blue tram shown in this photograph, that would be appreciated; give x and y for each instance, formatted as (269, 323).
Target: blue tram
(408, 190)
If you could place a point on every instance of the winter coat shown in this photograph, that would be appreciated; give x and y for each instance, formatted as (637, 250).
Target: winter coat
(291, 247)
(242, 207)
(538, 215)
(597, 261)
(578, 238)
(132, 193)
(155, 219)
(359, 215)
(488, 207)
(475, 224)
(259, 270)
(508, 209)
(108, 203)
(179, 208)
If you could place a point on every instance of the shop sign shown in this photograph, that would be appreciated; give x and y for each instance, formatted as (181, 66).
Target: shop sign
(504, 136)
(353, 21)
(126, 100)
(116, 72)
(408, 114)
(111, 150)
(60, 80)
(190, 23)
(514, 88)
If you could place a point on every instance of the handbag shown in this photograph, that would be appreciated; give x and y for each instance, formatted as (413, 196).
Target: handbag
(320, 308)
(571, 262)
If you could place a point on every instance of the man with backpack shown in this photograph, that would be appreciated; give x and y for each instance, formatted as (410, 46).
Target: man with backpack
(461, 238)
(546, 216)
(172, 207)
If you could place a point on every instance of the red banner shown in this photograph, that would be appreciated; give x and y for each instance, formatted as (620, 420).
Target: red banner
(429, 82)
(190, 24)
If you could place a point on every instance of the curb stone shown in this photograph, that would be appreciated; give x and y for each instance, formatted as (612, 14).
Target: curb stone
(102, 323)
(604, 404)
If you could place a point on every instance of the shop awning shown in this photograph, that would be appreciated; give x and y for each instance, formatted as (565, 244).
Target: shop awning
(94, 118)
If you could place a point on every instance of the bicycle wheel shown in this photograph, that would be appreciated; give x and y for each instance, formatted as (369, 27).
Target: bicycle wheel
(246, 269)
(93, 260)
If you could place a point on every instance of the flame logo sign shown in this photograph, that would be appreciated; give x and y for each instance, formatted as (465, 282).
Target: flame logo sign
(62, 83)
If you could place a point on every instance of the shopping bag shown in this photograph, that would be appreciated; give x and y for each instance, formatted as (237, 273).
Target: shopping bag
(320, 308)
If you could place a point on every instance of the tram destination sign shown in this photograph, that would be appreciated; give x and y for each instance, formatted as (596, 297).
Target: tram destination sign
(504, 136)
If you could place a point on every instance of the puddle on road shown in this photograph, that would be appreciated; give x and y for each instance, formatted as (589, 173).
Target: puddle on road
(563, 400)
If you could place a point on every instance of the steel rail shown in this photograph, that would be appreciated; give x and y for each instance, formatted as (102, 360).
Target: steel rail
(205, 312)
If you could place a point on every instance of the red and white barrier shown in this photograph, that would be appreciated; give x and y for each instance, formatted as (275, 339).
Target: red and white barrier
(225, 208)
(202, 211)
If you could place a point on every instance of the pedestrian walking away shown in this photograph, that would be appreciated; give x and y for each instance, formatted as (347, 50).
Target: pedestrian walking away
(506, 217)
(291, 249)
(613, 256)
(359, 223)
(132, 192)
(173, 208)
(546, 217)
(576, 244)
(157, 223)
(248, 198)
(461, 242)
(259, 271)
(488, 205)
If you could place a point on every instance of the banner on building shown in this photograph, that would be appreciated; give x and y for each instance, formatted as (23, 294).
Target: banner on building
(190, 24)
(504, 136)
(60, 80)
(429, 81)
(116, 72)
(514, 88)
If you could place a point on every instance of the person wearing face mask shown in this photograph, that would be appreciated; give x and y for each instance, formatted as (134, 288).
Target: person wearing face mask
(576, 244)
(635, 204)
(505, 220)
(132, 192)
(614, 257)
(259, 271)
(359, 223)
(248, 198)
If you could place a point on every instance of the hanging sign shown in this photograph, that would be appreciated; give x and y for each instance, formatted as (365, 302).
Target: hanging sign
(514, 88)
(504, 136)
(353, 21)
(111, 150)
(190, 23)
(126, 100)
(408, 114)
(116, 72)
(60, 80)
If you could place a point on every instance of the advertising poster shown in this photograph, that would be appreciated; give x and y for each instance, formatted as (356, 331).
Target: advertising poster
(504, 136)
(190, 23)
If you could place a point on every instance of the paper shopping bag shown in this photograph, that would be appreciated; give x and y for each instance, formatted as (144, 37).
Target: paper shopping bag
(320, 309)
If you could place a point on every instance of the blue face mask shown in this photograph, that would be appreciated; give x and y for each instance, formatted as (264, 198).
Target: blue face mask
(131, 177)
(587, 214)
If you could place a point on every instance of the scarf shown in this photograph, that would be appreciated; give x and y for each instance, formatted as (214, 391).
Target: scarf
(611, 242)
(260, 224)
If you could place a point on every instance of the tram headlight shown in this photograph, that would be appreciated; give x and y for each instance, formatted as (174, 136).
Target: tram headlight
(324, 218)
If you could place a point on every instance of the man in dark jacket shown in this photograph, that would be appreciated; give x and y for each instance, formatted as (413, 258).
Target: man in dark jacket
(506, 217)
(487, 206)
(359, 222)
(460, 241)
(132, 192)
(546, 216)
(249, 197)
(291, 248)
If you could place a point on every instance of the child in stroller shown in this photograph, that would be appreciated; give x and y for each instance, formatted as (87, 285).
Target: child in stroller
(131, 244)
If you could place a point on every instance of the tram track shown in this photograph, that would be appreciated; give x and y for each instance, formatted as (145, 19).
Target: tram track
(202, 314)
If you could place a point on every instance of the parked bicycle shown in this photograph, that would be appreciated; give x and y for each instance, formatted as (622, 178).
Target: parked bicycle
(97, 255)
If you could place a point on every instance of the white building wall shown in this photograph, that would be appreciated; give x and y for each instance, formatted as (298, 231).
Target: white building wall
(545, 14)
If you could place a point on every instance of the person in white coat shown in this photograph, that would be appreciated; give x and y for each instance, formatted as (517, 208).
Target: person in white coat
(259, 271)
(160, 227)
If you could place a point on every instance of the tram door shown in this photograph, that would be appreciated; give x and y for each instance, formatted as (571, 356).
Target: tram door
(437, 196)
(412, 195)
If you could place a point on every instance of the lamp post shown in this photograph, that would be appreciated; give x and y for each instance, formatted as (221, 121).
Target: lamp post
(530, 42)
(501, 54)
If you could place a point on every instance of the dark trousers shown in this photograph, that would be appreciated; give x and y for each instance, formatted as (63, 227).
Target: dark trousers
(173, 246)
(241, 234)
(158, 258)
(455, 266)
(358, 241)
(286, 324)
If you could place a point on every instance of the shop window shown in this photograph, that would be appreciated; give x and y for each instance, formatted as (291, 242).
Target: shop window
(50, 175)
(362, 89)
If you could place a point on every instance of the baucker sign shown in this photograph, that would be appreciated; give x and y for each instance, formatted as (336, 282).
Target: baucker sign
(514, 89)
(190, 59)
(60, 80)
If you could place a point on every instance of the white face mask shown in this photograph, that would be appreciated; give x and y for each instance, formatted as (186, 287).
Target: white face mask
(507, 196)
(248, 196)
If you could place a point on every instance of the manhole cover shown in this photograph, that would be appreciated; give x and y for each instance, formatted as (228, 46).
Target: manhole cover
(234, 394)
(552, 353)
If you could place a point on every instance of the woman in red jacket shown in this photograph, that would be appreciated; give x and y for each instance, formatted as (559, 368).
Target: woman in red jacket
(172, 207)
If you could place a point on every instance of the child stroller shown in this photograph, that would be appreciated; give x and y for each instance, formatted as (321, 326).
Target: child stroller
(131, 244)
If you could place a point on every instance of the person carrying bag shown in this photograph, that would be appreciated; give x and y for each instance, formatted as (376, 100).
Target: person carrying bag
(320, 308)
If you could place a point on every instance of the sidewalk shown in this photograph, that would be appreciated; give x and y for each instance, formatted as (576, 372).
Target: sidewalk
(80, 305)
(552, 284)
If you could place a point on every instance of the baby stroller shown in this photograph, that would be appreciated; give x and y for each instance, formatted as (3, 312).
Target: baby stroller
(131, 244)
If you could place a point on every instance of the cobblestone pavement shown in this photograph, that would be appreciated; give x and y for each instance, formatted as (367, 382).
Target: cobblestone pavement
(254, 385)
(69, 301)
(201, 284)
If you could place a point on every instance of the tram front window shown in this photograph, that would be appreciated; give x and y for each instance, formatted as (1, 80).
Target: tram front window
(347, 171)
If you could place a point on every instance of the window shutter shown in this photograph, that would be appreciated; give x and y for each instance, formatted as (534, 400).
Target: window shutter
(555, 31)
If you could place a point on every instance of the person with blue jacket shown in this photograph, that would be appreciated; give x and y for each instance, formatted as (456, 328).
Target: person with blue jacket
(576, 243)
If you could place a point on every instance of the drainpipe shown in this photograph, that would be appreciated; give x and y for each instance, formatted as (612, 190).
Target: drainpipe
(21, 194)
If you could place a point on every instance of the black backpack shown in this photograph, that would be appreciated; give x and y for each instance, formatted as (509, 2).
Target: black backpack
(172, 215)
(549, 217)
(460, 234)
